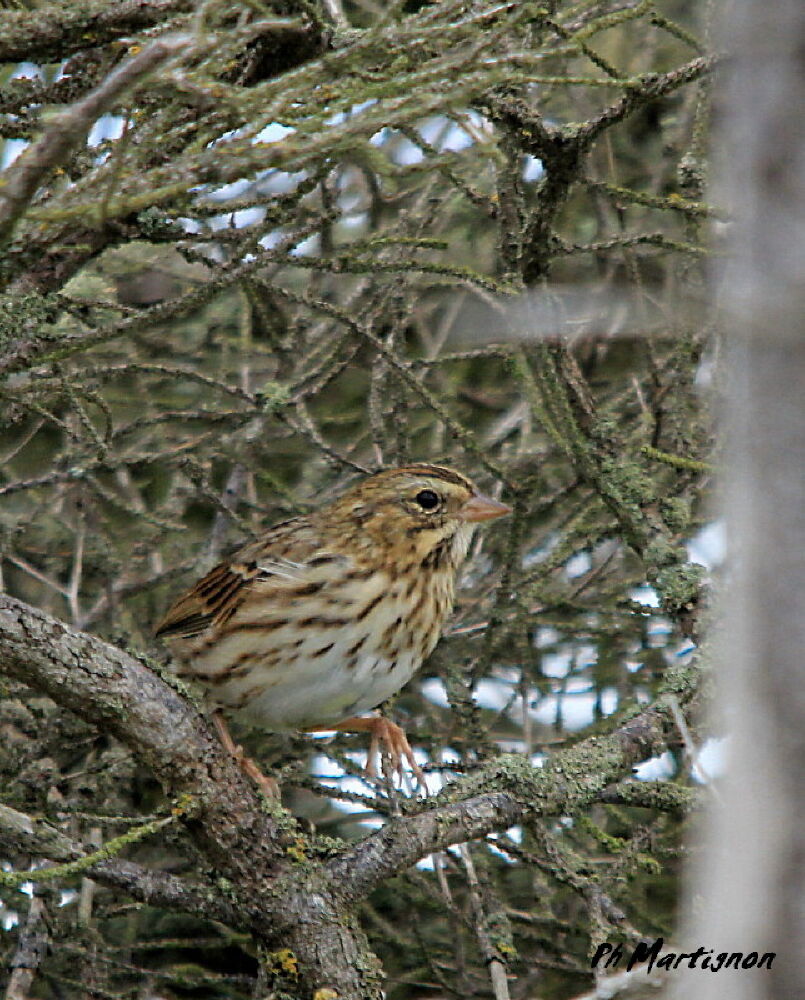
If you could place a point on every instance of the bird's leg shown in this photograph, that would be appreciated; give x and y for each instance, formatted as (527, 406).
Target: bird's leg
(268, 786)
(381, 730)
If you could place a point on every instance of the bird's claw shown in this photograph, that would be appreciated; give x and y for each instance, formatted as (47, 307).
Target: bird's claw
(395, 744)
(268, 786)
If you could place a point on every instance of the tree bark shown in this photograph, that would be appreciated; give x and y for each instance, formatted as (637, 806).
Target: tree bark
(277, 882)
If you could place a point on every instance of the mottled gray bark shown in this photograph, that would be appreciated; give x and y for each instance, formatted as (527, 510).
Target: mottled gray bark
(52, 31)
(304, 904)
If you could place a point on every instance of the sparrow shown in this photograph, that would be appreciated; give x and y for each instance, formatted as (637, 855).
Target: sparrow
(325, 616)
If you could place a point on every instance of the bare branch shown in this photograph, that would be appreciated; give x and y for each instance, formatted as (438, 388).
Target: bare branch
(54, 31)
(70, 129)
(113, 689)
(19, 832)
(648, 88)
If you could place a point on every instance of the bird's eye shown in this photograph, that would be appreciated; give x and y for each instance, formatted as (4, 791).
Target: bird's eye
(427, 499)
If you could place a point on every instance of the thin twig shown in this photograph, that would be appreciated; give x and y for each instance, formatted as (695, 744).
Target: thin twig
(70, 128)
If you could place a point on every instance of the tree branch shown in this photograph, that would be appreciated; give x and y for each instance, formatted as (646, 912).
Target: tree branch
(559, 390)
(20, 832)
(307, 907)
(511, 790)
(283, 904)
(113, 689)
(70, 129)
(647, 88)
(562, 148)
(31, 948)
(55, 31)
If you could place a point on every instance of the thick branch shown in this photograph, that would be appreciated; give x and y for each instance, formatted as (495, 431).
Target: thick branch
(403, 842)
(306, 908)
(512, 790)
(55, 31)
(297, 908)
(114, 690)
(169, 892)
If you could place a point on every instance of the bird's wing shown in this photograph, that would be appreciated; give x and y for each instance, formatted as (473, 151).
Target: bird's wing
(286, 558)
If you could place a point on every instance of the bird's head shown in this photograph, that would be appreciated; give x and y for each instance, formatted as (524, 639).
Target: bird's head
(417, 513)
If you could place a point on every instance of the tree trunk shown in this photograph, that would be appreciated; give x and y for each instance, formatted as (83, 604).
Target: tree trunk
(752, 875)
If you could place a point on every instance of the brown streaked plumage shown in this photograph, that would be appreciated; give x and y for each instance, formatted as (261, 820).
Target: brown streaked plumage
(328, 615)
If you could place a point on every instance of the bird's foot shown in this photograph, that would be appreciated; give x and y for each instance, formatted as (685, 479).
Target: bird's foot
(383, 732)
(268, 786)
(391, 738)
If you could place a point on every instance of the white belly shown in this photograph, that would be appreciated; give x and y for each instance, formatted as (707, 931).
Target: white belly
(320, 695)
(300, 676)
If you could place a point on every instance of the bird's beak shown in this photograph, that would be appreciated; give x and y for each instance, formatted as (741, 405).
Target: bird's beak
(481, 508)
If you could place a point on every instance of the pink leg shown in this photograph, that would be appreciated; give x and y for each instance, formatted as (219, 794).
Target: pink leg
(383, 731)
(268, 786)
